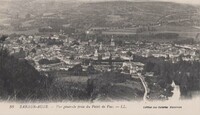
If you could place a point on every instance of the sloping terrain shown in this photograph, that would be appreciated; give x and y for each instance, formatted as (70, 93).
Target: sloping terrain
(90, 14)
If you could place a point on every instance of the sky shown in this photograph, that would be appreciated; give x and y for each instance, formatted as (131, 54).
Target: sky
(179, 1)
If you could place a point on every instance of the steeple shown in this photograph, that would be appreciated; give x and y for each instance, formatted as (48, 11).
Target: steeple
(112, 42)
(96, 53)
(101, 46)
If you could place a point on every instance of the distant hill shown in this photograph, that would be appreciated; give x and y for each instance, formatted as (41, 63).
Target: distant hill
(136, 12)
(84, 15)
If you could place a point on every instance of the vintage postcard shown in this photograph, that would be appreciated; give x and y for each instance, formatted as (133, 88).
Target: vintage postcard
(99, 57)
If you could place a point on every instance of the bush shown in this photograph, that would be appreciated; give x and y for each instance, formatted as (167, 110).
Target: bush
(19, 79)
(46, 61)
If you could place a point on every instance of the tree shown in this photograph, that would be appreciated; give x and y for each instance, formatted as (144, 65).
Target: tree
(72, 57)
(3, 38)
(2, 51)
(91, 69)
(90, 87)
(19, 78)
(119, 42)
(129, 53)
(100, 57)
(33, 50)
(76, 70)
(149, 66)
(126, 69)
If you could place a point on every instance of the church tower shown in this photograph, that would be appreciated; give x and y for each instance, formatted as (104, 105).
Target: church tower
(112, 43)
(101, 46)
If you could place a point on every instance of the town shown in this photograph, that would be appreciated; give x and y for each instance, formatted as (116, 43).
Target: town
(120, 61)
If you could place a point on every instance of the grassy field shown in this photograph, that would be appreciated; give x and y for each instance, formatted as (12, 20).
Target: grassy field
(177, 29)
(27, 32)
(183, 31)
(106, 86)
(75, 79)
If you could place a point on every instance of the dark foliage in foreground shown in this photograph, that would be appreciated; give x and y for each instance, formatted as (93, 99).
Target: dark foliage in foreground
(19, 79)
(183, 73)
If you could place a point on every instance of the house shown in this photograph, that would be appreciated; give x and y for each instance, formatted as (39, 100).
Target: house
(20, 55)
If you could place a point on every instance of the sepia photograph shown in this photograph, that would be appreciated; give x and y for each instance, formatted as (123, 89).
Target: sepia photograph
(83, 54)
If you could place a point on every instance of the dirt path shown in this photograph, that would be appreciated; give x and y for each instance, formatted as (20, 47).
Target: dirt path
(144, 85)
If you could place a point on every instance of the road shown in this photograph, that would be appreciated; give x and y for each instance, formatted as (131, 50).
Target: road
(146, 89)
(66, 62)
